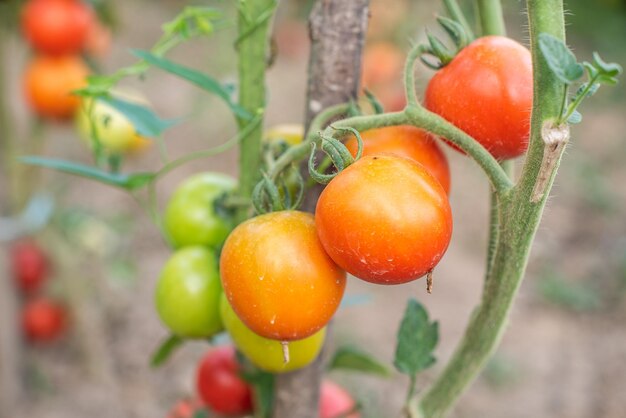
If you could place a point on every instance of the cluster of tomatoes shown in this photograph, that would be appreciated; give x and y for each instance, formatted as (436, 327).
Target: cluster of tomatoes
(60, 32)
(43, 318)
(220, 386)
(276, 280)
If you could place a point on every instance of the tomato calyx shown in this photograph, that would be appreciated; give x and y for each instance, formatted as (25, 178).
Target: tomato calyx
(338, 154)
(275, 195)
(437, 49)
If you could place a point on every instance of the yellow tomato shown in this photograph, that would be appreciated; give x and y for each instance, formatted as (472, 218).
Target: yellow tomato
(292, 134)
(267, 354)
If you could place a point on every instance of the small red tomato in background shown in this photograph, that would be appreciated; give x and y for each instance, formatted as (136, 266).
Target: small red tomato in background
(49, 82)
(336, 402)
(57, 27)
(409, 142)
(219, 385)
(384, 219)
(487, 91)
(185, 408)
(43, 320)
(30, 266)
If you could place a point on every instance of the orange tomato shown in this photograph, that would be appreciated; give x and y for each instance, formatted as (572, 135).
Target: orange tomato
(49, 82)
(384, 219)
(409, 142)
(277, 277)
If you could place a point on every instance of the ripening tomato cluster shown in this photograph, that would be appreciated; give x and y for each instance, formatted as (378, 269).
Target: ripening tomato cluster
(43, 319)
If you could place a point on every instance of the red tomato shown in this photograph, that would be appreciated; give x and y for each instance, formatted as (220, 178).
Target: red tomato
(384, 219)
(487, 91)
(335, 402)
(409, 142)
(277, 277)
(185, 408)
(219, 385)
(57, 27)
(43, 320)
(30, 266)
(49, 82)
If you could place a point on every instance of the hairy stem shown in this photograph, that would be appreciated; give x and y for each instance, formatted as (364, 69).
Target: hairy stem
(519, 218)
(491, 17)
(253, 49)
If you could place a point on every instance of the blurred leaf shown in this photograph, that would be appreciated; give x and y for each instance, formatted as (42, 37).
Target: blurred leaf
(353, 359)
(560, 59)
(198, 78)
(500, 372)
(145, 121)
(608, 69)
(165, 350)
(125, 181)
(575, 117)
(201, 413)
(575, 296)
(417, 339)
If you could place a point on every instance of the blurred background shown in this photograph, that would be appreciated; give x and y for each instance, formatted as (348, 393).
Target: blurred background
(563, 354)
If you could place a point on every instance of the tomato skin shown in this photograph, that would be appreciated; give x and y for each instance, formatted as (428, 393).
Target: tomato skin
(188, 293)
(384, 219)
(383, 63)
(49, 82)
(219, 385)
(267, 354)
(57, 27)
(335, 401)
(409, 142)
(43, 320)
(30, 266)
(191, 217)
(487, 91)
(277, 277)
(290, 133)
(114, 130)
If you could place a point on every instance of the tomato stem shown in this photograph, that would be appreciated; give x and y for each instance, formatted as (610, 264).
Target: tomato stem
(491, 17)
(454, 10)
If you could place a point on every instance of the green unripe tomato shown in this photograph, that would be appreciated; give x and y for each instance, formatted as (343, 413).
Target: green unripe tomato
(191, 217)
(188, 293)
(267, 354)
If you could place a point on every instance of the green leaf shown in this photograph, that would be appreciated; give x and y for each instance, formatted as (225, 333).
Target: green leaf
(201, 413)
(353, 359)
(575, 117)
(417, 338)
(198, 78)
(560, 59)
(578, 297)
(609, 69)
(125, 181)
(165, 350)
(145, 121)
(263, 384)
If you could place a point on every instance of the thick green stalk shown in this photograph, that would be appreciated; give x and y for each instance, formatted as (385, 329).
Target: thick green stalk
(491, 17)
(252, 45)
(519, 218)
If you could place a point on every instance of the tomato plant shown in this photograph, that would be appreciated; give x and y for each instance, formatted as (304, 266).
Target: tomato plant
(495, 74)
(384, 219)
(193, 215)
(188, 293)
(30, 266)
(265, 353)
(49, 82)
(57, 27)
(336, 402)
(409, 142)
(219, 385)
(43, 320)
(277, 277)
(185, 408)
